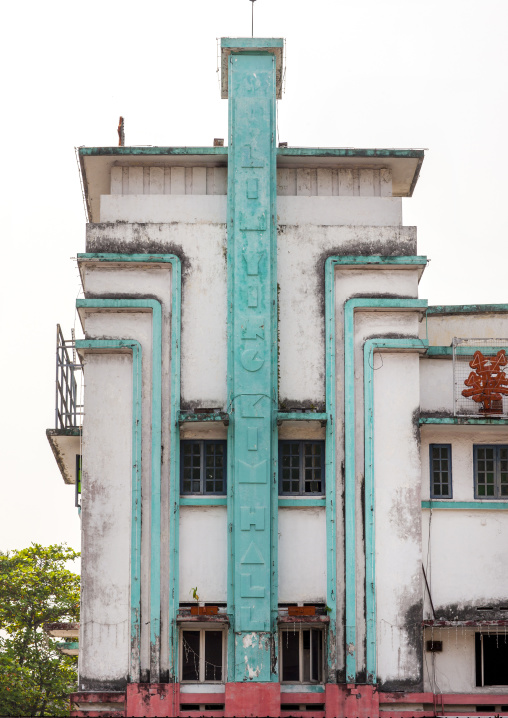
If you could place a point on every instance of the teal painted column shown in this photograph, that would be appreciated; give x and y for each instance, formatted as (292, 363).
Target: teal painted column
(252, 360)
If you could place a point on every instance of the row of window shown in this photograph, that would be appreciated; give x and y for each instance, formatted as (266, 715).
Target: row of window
(301, 655)
(490, 471)
(203, 467)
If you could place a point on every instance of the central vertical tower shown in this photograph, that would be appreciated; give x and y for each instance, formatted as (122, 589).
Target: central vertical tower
(253, 83)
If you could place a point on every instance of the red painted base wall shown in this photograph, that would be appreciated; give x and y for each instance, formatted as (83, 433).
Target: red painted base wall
(246, 700)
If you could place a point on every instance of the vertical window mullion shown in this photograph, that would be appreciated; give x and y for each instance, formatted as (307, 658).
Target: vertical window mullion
(311, 636)
(202, 656)
(300, 654)
(302, 481)
(497, 475)
(202, 466)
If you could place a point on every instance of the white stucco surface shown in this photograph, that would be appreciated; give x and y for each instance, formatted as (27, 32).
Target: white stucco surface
(302, 555)
(397, 502)
(203, 253)
(462, 439)
(194, 209)
(466, 557)
(442, 328)
(301, 255)
(436, 385)
(203, 553)
(132, 324)
(106, 519)
(138, 281)
(359, 211)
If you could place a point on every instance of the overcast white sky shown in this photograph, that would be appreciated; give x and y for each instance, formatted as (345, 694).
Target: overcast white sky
(360, 73)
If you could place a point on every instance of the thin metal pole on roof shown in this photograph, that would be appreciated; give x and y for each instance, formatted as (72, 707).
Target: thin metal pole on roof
(253, 1)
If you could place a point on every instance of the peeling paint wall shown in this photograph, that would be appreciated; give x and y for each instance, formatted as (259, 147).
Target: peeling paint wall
(399, 589)
(203, 254)
(106, 522)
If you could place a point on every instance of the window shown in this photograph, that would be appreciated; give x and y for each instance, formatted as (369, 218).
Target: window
(491, 659)
(491, 472)
(78, 482)
(203, 467)
(301, 654)
(440, 471)
(202, 655)
(301, 467)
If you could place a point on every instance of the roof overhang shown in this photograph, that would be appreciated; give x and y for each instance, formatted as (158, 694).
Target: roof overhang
(96, 164)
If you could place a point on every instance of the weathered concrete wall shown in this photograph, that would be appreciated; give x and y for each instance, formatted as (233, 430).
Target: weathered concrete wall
(442, 328)
(203, 553)
(131, 325)
(436, 386)
(463, 549)
(142, 281)
(302, 555)
(454, 670)
(370, 324)
(462, 439)
(142, 179)
(301, 256)
(334, 211)
(106, 523)
(398, 528)
(203, 255)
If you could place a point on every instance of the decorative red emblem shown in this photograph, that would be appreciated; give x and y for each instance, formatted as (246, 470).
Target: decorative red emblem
(488, 382)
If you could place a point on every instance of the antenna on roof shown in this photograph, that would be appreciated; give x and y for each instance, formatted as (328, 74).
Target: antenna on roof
(253, 1)
(121, 133)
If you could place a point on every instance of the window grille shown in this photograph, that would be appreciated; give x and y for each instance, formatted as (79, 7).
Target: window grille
(491, 471)
(203, 467)
(301, 468)
(481, 384)
(68, 409)
(440, 471)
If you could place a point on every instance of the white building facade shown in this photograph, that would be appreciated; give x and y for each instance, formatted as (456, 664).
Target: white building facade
(288, 505)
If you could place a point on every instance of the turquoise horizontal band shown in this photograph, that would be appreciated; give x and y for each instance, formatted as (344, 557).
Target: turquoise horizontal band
(97, 151)
(302, 416)
(302, 503)
(466, 505)
(462, 420)
(203, 501)
(467, 308)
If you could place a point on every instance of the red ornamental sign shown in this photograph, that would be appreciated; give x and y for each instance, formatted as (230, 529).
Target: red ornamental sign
(487, 384)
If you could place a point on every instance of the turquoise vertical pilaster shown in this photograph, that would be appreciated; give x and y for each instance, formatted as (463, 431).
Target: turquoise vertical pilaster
(252, 362)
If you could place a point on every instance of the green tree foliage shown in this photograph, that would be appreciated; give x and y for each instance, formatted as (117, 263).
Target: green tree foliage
(36, 588)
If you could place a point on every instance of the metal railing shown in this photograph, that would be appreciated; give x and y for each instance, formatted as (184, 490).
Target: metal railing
(68, 410)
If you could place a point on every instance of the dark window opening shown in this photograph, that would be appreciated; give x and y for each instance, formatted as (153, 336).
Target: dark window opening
(491, 659)
(301, 468)
(491, 472)
(440, 471)
(301, 652)
(203, 467)
(202, 656)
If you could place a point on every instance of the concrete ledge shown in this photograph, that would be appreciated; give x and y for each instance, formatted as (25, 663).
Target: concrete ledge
(65, 445)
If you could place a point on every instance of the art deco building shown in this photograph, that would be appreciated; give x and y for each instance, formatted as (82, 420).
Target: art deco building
(293, 471)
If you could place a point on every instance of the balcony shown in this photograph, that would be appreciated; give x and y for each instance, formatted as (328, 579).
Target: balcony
(65, 438)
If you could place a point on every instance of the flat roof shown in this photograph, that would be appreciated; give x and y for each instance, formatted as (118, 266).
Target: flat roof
(96, 163)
